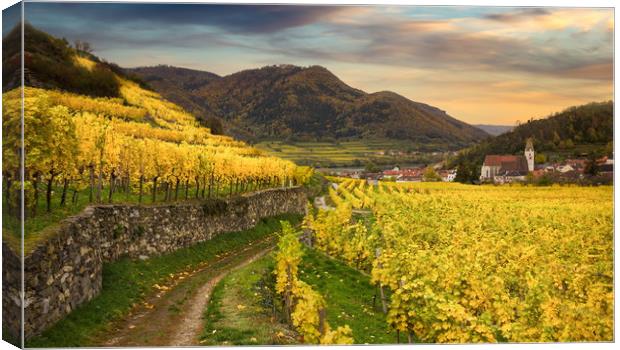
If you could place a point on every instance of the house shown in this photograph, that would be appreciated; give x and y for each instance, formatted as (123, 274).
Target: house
(447, 175)
(409, 178)
(577, 163)
(508, 168)
(564, 168)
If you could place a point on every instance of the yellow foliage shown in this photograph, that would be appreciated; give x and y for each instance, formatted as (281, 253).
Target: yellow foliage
(480, 263)
(138, 137)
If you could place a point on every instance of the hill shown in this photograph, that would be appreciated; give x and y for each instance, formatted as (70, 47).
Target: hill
(585, 130)
(130, 146)
(177, 85)
(51, 63)
(287, 102)
(494, 130)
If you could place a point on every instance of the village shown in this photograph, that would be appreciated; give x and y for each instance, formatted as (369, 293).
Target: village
(501, 169)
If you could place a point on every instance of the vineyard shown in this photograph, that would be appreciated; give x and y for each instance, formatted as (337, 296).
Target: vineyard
(138, 147)
(458, 263)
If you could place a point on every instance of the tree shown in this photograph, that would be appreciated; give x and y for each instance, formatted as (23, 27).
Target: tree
(83, 46)
(466, 173)
(540, 158)
(371, 167)
(215, 125)
(556, 138)
(431, 175)
(591, 135)
(591, 168)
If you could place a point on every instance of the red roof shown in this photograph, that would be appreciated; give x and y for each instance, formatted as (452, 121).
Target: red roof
(403, 172)
(507, 162)
(495, 160)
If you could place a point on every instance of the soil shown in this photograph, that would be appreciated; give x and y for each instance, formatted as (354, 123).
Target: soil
(172, 316)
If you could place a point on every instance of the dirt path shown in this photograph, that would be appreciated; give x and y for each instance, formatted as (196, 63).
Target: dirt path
(319, 202)
(173, 317)
(191, 326)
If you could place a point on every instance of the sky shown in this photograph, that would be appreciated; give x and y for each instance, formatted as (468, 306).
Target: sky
(483, 65)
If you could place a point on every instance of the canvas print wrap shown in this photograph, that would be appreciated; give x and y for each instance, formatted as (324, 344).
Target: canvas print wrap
(211, 174)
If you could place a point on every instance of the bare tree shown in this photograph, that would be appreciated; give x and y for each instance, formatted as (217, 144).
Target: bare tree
(83, 46)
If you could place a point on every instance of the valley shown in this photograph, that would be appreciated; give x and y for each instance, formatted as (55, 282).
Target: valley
(204, 191)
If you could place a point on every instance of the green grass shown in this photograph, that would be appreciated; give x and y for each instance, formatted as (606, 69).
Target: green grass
(237, 314)
(126, 282)
(349, 296)
(347, 292)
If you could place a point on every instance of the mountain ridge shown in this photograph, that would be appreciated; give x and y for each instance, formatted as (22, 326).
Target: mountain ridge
(312, 103)
(494, 129)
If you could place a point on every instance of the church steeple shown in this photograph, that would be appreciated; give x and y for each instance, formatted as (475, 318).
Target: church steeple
(529, 154)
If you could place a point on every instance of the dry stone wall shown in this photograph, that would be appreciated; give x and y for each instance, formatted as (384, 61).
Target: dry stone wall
(65, 270)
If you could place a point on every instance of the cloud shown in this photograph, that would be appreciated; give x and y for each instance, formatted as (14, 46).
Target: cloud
(246, 19)
(597, 71)
(470, 60)
(518, 15)
(447, 44)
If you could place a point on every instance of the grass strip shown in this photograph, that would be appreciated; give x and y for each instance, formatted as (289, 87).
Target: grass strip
(349, 296)
(237, 313)
(126, 282)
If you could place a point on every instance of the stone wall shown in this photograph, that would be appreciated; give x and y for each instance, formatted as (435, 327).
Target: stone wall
(65, 270)
(11, 287)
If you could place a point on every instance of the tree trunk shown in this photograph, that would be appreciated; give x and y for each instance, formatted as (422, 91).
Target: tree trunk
(197, 187)
(48, 196)
(9, 206)
(35, 185)
(204, 185)
(154, 189)
(383, 303)
(99, 185)
(91, 170)
(165, 190)
(210, 184)
(176, 190)
(65, 187)
(186, 189)
(141, 184)
(74, 196)
(127, 187)
(112, 182)
(288, 293)
(322, 322)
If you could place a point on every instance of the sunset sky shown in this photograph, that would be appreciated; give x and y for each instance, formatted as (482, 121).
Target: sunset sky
(487, 65)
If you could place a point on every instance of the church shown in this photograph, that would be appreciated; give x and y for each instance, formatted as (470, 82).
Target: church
(508, 168)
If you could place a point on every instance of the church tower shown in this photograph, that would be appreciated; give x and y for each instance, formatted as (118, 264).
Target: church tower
(529, 154)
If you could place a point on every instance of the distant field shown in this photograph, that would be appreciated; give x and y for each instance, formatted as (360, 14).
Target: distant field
(343, 153)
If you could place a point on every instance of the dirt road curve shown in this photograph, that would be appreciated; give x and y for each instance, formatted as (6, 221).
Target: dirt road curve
(190, 327)
(174, 317)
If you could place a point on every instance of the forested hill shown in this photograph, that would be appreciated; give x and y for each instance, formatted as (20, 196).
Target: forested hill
(52, 63)
(176, 84)
(291, 102)
(587, 128)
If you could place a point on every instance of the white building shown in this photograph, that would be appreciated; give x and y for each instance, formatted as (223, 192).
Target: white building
(506, 168)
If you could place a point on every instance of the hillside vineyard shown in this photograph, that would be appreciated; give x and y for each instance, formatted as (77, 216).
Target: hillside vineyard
(138, 143)
(479, 264)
